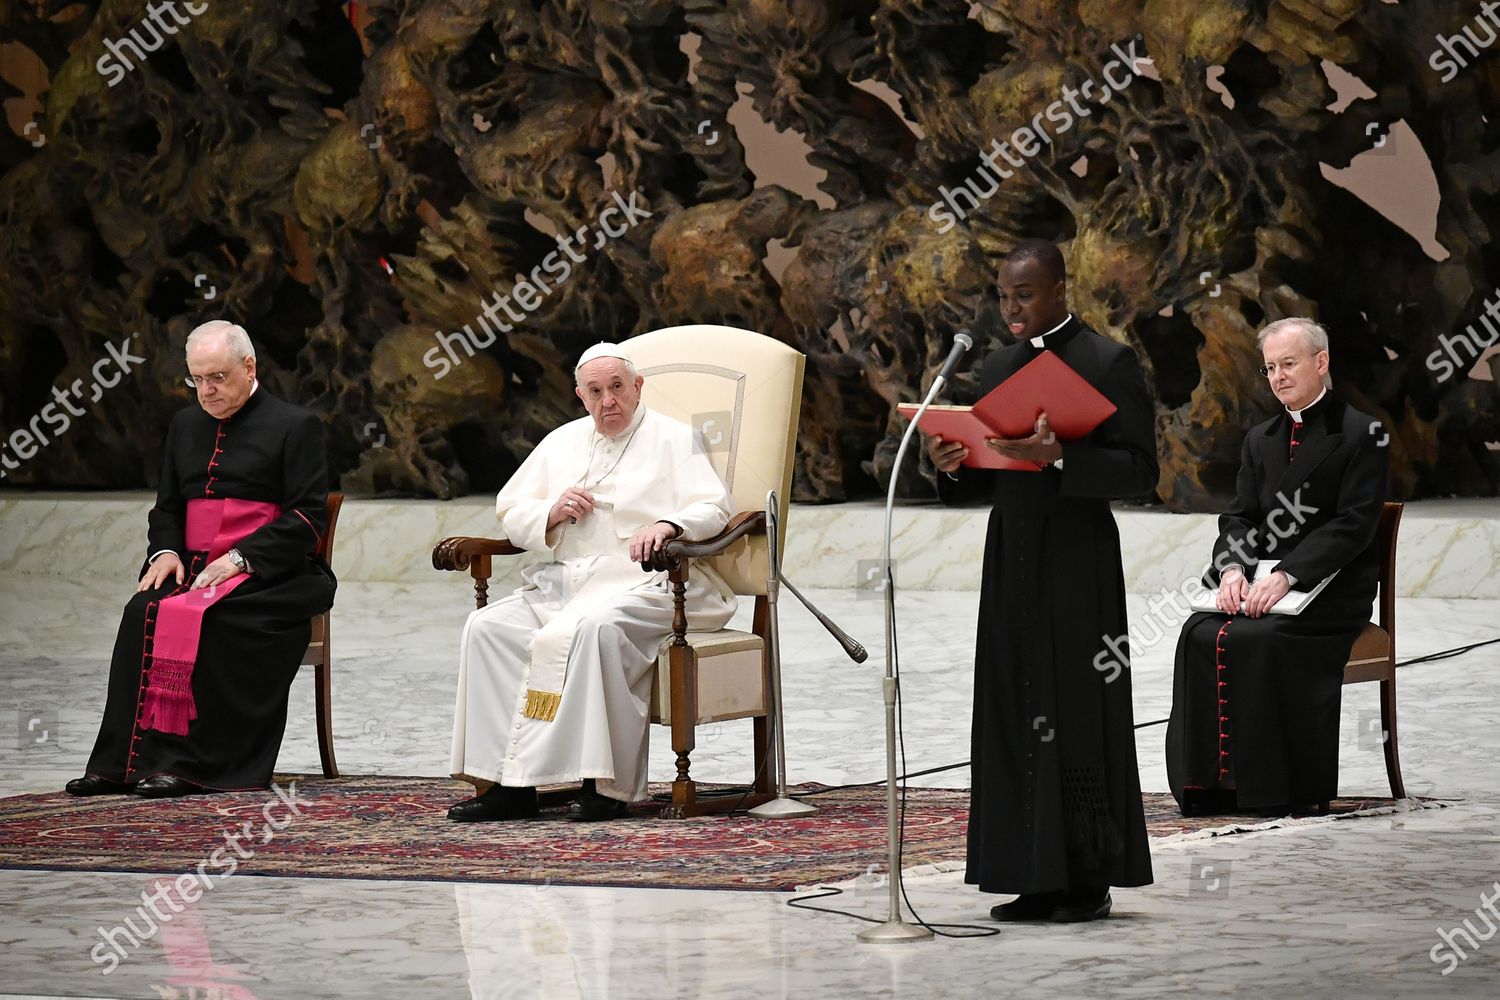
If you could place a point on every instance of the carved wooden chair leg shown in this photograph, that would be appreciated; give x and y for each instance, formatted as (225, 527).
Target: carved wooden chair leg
(684, 681)
(763, 764)
(1388, 727)
(323, 678)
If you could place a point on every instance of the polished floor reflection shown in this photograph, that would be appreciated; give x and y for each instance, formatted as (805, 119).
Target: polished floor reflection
(1359, 908)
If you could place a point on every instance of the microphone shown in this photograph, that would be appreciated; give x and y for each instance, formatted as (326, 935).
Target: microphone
(961, 343)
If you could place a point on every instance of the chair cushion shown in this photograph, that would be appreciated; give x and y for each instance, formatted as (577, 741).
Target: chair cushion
(731, 677)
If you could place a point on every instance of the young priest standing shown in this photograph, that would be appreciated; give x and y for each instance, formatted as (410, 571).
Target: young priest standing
(1055, 815)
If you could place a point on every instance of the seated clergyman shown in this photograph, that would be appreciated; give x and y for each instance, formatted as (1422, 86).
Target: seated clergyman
(554, 680)
(1255, 698)
(221, 618)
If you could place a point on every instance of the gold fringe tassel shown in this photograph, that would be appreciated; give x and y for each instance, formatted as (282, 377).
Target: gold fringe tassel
(542, 705)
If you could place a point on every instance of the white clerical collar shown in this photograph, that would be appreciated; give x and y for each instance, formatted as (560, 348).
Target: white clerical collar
(1038, 341)
(1297, 414)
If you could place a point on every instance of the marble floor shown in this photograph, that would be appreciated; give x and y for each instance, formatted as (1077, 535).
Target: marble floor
(1342, 909)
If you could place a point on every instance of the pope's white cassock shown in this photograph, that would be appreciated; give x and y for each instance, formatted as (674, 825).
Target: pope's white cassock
(554, 681)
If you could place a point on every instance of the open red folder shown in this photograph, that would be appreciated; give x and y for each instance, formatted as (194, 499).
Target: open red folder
(1045, 384)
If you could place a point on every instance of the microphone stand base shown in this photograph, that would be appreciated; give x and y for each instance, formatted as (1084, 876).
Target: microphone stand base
(782, 808)
(894, 932)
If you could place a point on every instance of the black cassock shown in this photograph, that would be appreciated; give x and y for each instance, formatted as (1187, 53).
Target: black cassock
(1270, 734)
(1056, 797)
(253, 639)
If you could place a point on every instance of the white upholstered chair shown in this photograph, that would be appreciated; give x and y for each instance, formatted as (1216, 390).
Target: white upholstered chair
(743, 391)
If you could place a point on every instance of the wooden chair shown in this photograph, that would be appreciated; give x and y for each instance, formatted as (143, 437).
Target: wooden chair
(744, 392)
(1373, 657)
(318, 655)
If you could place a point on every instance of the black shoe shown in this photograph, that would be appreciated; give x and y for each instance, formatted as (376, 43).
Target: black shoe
(92, 784)
(1082, 905)
(591, 807)
(1036, 906)
(167, 786)
(497, 803)
(1209, 802)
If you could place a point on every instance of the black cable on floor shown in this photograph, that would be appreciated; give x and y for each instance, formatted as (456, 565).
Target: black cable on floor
(1447, 653)
(764, 759)
(881, 781)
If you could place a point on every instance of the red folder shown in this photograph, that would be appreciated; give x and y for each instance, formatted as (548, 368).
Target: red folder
(1045, 384)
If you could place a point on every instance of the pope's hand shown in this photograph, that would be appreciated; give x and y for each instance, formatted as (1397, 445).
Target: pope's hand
(648, 541)
(573, 504)
(165, 565)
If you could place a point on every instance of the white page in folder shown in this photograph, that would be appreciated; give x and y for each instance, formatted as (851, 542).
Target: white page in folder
(1291, 604)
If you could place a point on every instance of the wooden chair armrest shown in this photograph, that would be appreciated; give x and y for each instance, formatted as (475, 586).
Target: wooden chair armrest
(460, 551)
(746, 522)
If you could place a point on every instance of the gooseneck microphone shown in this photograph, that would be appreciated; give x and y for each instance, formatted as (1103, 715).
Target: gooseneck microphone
(961, 344)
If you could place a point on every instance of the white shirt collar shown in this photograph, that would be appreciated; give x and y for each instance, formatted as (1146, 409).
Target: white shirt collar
(1038, 341)
(1297, 414)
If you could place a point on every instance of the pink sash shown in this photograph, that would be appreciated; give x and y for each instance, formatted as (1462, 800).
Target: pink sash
(215, 527)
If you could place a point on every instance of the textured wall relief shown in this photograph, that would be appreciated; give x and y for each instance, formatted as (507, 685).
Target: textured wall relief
(423, 212)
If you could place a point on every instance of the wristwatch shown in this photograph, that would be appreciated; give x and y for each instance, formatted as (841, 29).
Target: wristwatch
(238, 560)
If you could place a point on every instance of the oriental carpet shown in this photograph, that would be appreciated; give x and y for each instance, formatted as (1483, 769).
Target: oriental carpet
(384, 827)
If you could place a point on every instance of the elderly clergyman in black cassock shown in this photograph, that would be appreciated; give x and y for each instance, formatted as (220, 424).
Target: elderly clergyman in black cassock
(221, 617)
(1255, 696)
(1055, 813)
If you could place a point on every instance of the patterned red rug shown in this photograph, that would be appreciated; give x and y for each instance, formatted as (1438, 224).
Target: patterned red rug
(395, 828)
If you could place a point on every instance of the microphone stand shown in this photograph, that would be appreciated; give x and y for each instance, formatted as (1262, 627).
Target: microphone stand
(895, 930)
(783, 806)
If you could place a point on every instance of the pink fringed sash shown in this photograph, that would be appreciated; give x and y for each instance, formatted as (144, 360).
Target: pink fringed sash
(214, 527)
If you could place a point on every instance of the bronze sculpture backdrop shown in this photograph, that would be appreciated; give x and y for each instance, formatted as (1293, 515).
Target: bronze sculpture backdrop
(350, 181)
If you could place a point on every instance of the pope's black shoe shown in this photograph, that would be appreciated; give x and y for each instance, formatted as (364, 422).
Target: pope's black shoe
(497, 803)
(1083, 904)
(92, 784)
(1033, 906)
(591, 807)
(167, 786)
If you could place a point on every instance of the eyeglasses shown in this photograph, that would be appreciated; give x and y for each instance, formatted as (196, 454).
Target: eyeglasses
(1288, 366)
(196, 381)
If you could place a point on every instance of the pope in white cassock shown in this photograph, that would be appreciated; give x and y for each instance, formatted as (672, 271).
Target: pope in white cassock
(554, 681)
